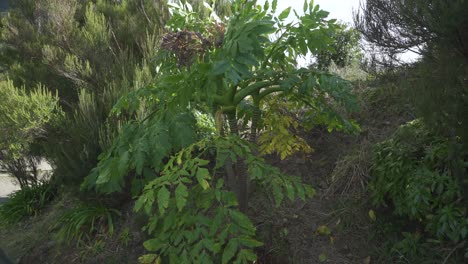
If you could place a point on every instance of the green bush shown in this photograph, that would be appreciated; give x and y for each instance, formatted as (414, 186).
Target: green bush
(421, 176)
(86, 221)
(26, 202)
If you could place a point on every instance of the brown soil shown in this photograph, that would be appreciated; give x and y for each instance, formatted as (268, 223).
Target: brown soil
(292, 233)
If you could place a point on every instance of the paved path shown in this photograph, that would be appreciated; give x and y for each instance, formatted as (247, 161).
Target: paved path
(7, 186)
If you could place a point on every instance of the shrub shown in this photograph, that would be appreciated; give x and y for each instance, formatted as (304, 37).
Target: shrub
(421, 175)
(86, 221)
(28, 201)
(23, 117)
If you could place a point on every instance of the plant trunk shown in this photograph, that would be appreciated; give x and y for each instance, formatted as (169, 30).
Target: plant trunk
(237, 171)
(255, 123)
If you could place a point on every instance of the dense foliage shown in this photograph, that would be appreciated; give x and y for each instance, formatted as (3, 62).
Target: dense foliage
(237, 74)
(421, 176)
(28, 201)
(91, 52)
(344, 49)
(23, 119)
(178, 104)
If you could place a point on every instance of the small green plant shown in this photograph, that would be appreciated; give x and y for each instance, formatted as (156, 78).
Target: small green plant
(28, 201)
(93, 249)
(125, 236)
(86, 221)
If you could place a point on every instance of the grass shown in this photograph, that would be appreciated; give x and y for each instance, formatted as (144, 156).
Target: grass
(28, 201)
(351, 173)
(85, 221)
(25, 236)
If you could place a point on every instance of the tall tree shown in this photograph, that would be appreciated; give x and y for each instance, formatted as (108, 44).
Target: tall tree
(437, 30)
(398, 26)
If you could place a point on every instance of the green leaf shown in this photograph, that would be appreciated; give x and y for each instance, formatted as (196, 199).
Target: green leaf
(249, 242)
(274, 4)
(311, 6)
(181, 195)
(163, 199)
(248, 255)
(153, 244)
(242, 221)
(322, 14)
(305, 6)
(277, 193)
(220, 67)
(322, 257)
(148, 259)
(202, 175)
(230, 251)
(139, 158)
(300, 190)
(289, 190)
(285, 13)
(309, 191)
(324, 230)
(266, 6)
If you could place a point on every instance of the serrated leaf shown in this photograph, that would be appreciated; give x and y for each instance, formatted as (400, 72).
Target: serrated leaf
(274, 4)
(277, 193)
(181, 195)
(285, 13)
(220, 67)
(266, 5)
(139, 203)
(163, 199)
(248, 255)
(311, 5)
(242, 221)
(230, 251)
(289, 191)
(209, 244)
(300, 190)
(249, 242)
(202, 175)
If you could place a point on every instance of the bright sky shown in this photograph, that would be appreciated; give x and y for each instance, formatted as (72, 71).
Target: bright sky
(339, 9)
